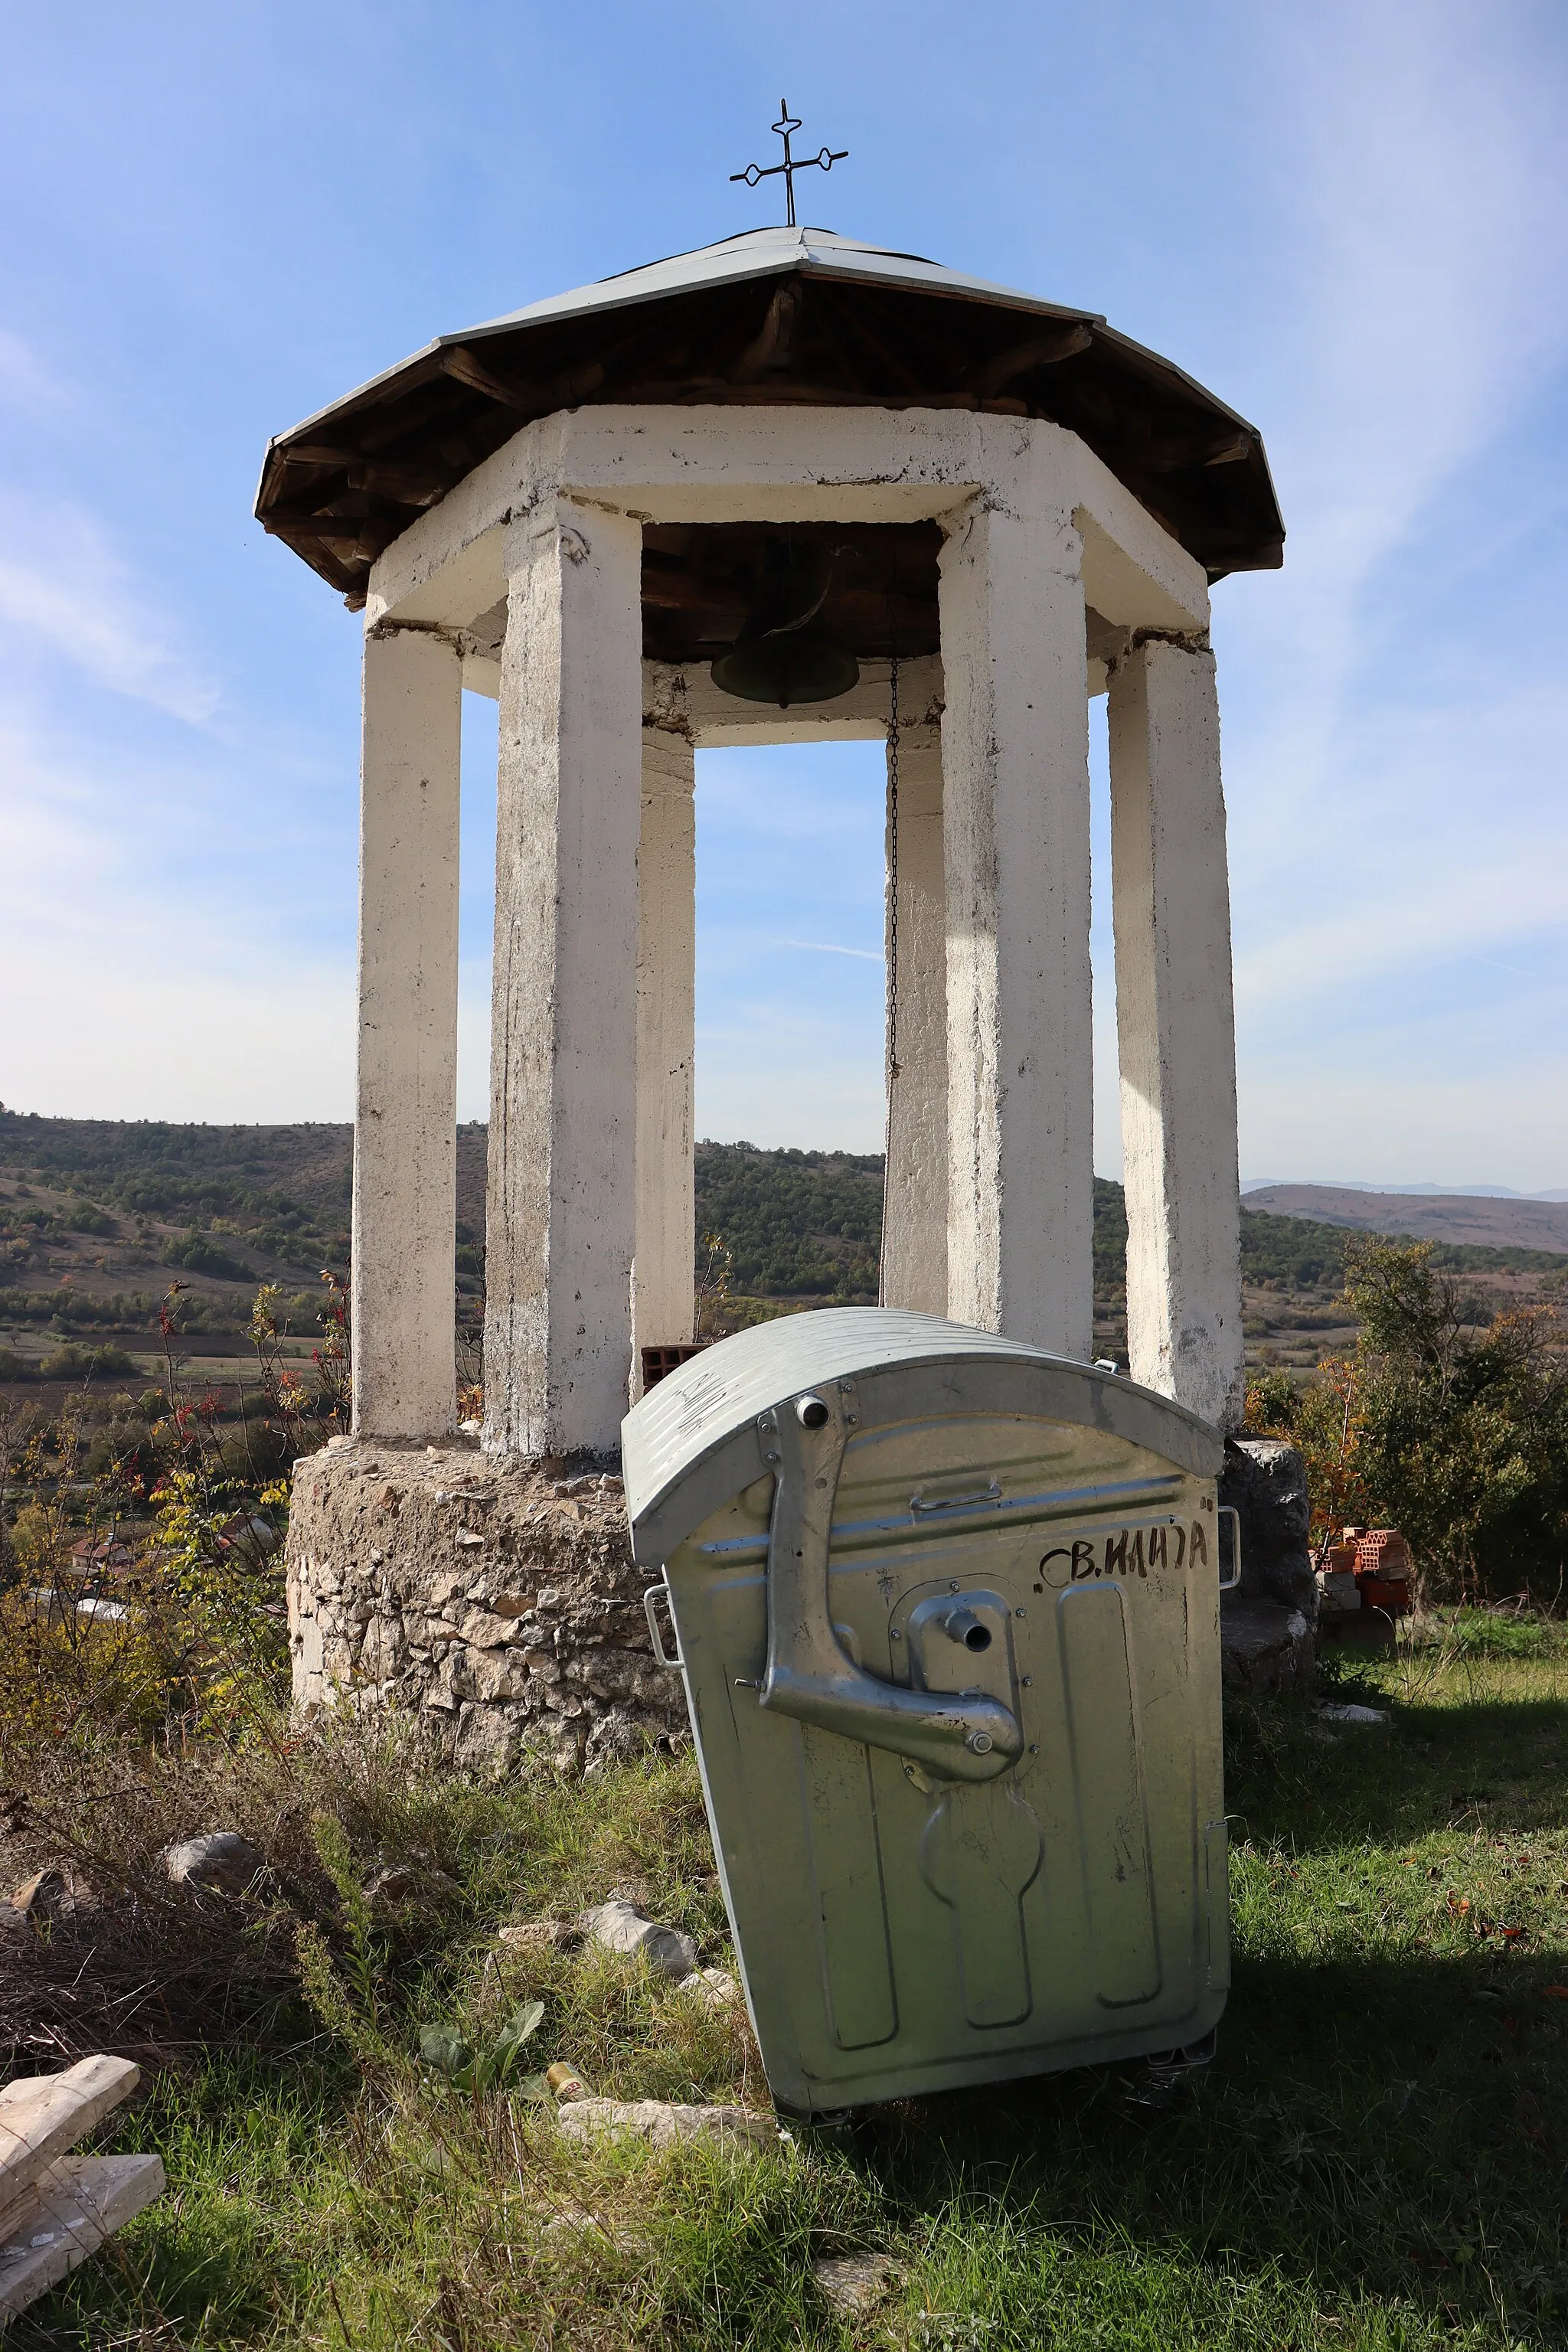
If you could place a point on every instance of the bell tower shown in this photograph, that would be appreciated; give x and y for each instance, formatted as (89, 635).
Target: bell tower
(785, 488)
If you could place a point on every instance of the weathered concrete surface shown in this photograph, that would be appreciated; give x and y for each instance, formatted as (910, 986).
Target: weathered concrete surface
(494, 1597)
(1266, 1647)
(914, 1214)
(74, 2205)
(589, 1173)
(1176, 1029)
(1268, 1625)
(42, 2115)
(663, 1301)
(782, 465)
(406, 1107)
(561, 1212)
(1014, 757)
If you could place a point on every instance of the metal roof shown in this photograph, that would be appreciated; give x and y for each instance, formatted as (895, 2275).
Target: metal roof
(767, 253)
(864, 324)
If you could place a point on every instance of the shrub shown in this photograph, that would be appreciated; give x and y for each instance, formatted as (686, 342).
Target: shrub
(69, 1364)
(1467, 1430)
(1447, 1424)
(1326, 1418)
(199, 1254)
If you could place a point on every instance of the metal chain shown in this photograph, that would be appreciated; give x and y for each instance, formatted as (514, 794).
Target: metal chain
(893, 868)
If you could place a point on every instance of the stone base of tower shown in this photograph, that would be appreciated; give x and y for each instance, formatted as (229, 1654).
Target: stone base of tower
(491, 1598)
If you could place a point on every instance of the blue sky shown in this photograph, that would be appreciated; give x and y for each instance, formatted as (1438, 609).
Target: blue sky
(1351, 221)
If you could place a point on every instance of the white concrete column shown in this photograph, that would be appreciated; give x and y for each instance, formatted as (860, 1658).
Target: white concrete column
(561, 1219)
(405, 1101)
(914, 1215)
(662, 1274)
(1176, 1030)
(1014, 741)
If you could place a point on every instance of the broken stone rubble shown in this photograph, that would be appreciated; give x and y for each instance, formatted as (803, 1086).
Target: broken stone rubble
(853, 2283)
(539, 1935)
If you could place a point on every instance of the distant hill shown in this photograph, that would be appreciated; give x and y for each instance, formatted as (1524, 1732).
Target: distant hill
(1466, 1219)
(98, 1217)
(1437, 1191)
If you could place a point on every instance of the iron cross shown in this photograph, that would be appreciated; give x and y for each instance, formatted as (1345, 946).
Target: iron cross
(753, 173)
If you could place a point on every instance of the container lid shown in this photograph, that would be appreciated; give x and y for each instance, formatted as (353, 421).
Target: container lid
(692, 1442)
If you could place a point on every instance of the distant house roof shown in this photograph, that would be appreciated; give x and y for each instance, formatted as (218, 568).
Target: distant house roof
(101, 1552)
(775, 317)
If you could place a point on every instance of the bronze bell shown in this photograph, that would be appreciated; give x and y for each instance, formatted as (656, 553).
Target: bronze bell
(778, 655)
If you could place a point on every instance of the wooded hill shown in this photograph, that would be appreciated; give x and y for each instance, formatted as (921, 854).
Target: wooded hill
(99, 1216)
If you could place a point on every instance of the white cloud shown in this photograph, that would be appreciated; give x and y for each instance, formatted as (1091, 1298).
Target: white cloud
(826, 947)
(1393, 749)
(63, 587)
(1425, 168)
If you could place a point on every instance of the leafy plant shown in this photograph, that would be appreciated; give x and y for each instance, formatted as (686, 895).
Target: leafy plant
(495, 2068)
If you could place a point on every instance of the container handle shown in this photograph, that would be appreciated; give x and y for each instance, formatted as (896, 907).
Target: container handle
(1228, 1583)
(655, 1634)
(953, 1735)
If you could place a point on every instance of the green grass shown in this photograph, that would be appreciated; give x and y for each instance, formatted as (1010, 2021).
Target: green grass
(1376, 2160)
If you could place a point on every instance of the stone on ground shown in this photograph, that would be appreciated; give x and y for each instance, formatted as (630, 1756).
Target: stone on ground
(621, 1927)
(220, 1862)
(713, 1990)
(852, 2283)
(660, 2123)
(48, 1895)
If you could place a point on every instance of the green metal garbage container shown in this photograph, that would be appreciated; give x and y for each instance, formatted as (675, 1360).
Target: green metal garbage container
(947, 1611)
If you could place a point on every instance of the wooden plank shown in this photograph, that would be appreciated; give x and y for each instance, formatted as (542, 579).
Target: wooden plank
(333, 526)
(1059, 343)
(79, 2203)
(43, 2114)
(461, 363)
(317, 453)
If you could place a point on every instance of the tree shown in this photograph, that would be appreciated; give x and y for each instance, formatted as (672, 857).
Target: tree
(1464, 1441)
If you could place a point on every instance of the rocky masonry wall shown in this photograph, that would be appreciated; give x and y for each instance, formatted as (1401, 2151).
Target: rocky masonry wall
(496, 1598)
